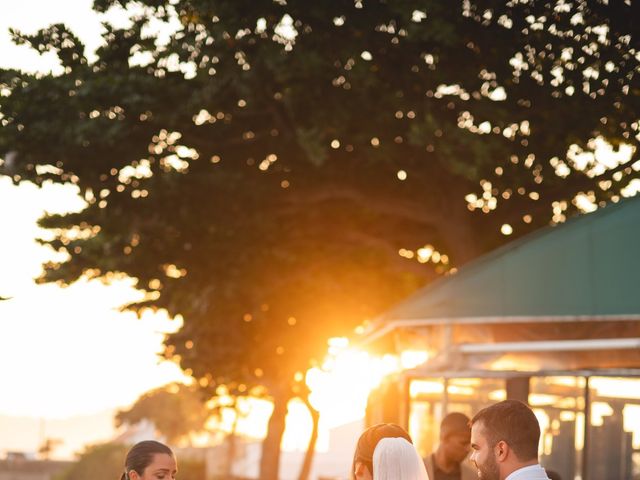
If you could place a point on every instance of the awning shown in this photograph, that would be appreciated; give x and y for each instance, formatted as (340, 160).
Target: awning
(566, 296)
(587, 268)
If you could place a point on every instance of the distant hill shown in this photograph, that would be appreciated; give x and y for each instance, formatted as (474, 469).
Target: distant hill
(25, 434)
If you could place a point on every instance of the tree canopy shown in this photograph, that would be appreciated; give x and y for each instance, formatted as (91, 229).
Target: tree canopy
(277, 171)
(177, 411)
(102, 462)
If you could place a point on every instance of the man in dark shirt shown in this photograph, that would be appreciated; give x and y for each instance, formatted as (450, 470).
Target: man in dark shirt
(448, 461)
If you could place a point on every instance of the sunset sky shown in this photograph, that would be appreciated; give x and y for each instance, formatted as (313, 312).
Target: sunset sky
(68, 358)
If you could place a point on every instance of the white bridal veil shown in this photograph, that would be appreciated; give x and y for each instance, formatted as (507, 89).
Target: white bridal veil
(397, 459)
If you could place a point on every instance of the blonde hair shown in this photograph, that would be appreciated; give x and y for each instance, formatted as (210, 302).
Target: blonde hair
(397, 459)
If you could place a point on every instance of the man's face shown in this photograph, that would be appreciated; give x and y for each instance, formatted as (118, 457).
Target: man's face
(482, 454)
(456, 446)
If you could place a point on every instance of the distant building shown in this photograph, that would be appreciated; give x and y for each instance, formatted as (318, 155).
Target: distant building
(132, 434)
(21, 466)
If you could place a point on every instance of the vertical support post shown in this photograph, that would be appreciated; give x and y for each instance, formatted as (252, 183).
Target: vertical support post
(518, 389)
(447, 340)
(587, 430)
(445, 397)
(405, 401)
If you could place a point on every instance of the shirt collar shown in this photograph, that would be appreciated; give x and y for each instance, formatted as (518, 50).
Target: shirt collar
(532, 472)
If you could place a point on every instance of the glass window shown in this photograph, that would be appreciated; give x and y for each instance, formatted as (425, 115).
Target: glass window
(611, 449)
(429, 404)
(558, 403)
(614, 434)
(425, 413)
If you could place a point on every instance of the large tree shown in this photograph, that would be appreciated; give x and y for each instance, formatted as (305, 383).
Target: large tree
(269, 170)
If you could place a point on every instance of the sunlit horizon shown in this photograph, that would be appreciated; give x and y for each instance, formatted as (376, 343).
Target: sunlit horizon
(67, 352)
(93, 359)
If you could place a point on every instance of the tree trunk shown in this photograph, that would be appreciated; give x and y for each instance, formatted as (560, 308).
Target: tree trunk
(311, 447)
(464, 233)
(270, 459)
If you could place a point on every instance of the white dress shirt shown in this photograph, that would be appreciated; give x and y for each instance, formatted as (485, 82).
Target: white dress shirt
(532, 472)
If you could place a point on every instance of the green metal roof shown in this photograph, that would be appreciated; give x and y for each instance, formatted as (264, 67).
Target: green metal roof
(589, 266)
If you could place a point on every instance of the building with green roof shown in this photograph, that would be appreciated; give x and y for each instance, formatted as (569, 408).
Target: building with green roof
(552, 319)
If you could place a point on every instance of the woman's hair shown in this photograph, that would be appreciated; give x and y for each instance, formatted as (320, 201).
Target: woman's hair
(141, 455)
(369, 440)
(396, 458)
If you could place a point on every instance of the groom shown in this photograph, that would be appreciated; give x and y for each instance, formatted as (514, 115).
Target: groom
(504, 442)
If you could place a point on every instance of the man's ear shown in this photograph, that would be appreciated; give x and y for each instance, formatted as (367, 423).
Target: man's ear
(501, 451)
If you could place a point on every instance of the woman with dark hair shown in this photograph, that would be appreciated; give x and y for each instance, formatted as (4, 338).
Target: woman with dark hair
(386, 452)
(150, 460)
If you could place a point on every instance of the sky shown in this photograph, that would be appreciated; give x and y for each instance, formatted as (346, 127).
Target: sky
(30, 15)
(65, 353)
(68, 357)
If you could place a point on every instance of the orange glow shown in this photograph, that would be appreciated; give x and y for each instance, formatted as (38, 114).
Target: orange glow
(425, 387)
(460, 390)
(348, 372)
(542, 399)
(250, 418)
(413, 358)
(507, 363)
(497, 395)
